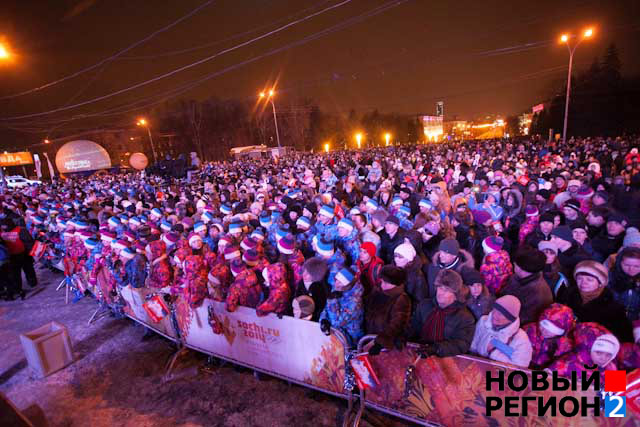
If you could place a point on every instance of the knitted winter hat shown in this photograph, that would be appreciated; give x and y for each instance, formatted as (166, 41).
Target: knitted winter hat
(165, 225)
(396, 201)
(107, 236)
(225, 209)
(251, 257)
(199, 226)
(156, 213)
(346, 224)
(404, 211)
(471, 276)
(114, 221)
(135, 222)
(547, 244)
(217, 226)
(530, 260)
(450, 246)
(129, 235)
(406, 250)
(231, 252)
(91, 243)
(128, 253)
(631, 237)
(617, 217)
(370, 248)
(492, 244)
(573, 204)
(303, 223)
(579, 225)
(481, 217)
(265, 219)
(531, 210)
(345, 276)
(563, 232)
(508, 306)
(237, 266)
(593, 269)
(574, 183)
(607, 343)
(286, 245)
(258, 235)
(327, 211)
(193, 239)
(120, 244)
(325, 248)
(282, 231)
(224, 241)
(546, 217)
(235, 228)
(372, 204)
(170, 239)
(393, 220)
(453, 282)
(140, 247)
(248, 243)
(425, 203)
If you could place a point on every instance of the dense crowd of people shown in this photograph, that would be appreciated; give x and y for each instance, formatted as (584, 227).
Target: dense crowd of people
(521, 251)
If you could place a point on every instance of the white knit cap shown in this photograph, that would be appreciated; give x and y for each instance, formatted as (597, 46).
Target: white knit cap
(406, 250)
(607, 343)
(551, 327)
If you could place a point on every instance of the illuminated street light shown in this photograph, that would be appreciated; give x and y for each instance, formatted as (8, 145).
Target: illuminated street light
(586, 34)
(143, 122)
(326, 147)
(359, 139)
(273, 105)
(387, 137)
(46, 141)
(4, 52)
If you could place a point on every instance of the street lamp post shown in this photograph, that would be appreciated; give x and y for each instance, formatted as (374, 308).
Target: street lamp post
(359, 139)
(270, 96)
(565, 38)
(387, 137)
(143, 122)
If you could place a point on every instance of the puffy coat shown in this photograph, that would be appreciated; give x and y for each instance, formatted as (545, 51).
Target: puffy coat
(511, 344)
(245, 291)
(465, 260)
(459, 326)
(135, 272)
(350, 246)
(159, 268)
(387, 314)
(388, 245)
(195, 280)
(546, 350)
(346, 313)
(628, 357)
(481, 305)
(529, 226)
(496, 269)
(221, 272)
(334, 264)
(279, 292)
(584, 336)
(534, 295)
(416, 286)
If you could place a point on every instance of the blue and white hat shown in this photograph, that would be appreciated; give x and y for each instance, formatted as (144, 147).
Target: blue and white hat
(404, 211)
(346, 223)
(199, 226)
(124, 218)
(67, 206)
(345, 276)
(257, 235)
(128, 253)
(327, 211)
(207, 217)
(282, 231)
(426, 203)
(235, 227)
(372, 204)
(225, 209)
(165, 226)
(156, 212)
(325, 248)
(91, 243)
(265, 219)
(135, 221)
(303, 223)
(38, 220)
(286, 245)
(355, 211)
(397, 201)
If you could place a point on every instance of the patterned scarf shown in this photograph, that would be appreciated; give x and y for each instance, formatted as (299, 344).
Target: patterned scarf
(433, 329)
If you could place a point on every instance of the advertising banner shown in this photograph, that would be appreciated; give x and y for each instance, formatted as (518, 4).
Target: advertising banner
(16, 159)
(135, 299)
(289, 347)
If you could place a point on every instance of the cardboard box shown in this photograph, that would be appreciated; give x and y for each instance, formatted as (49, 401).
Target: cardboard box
(47, 349)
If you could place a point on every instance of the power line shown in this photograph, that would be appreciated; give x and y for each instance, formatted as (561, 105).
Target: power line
(180, 69)
(112, 57)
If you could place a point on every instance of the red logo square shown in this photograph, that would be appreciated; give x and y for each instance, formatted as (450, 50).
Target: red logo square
(615, 381)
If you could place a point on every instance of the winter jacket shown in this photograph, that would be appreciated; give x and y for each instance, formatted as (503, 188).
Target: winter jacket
(388, 245)
(529, 226)
(629, 356)
(279, 292)
(604, 310)
(350, 246)
(605, 245)
(534, 295)
(195, 280)
(369, 274)
(387, 314)
(626, 289)
(511, 344)
(135, 272)
(416, 286)
(334, 264)
(459, 327)
(546, 350)
(584, 336)
(318, 291)
(536, 237)
(571, 257)
(221, 271)
(431, 270)
(159, 268)
(344, 310)
(245, 291)
(496, 269)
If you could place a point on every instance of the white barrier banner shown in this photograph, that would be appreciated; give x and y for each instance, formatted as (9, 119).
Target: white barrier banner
(290, 347)
(135, 298)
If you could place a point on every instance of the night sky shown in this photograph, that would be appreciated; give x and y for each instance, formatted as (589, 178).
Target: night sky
(480, 57)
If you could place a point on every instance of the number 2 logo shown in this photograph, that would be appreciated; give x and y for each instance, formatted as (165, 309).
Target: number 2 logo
(615, 406)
